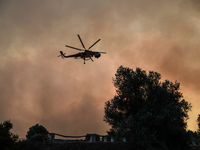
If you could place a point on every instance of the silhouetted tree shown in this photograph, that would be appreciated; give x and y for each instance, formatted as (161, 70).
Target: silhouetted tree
(146, 110)
(198, 123)
(7, 139)
(37, 133)
(193, 135)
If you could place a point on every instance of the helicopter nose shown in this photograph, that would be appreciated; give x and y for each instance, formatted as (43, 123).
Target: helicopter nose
(97, 55)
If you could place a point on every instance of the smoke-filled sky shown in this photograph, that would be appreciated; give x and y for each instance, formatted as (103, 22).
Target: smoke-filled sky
(68, 97)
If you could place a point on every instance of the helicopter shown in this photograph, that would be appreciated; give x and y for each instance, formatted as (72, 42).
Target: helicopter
(87, 54)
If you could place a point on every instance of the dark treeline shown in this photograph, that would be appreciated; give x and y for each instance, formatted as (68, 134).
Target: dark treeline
(37, 138)
(149, 113)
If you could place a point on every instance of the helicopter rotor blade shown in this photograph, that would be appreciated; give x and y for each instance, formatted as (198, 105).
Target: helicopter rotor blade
(99, 52)
(81, 41)
(94, 43)
(103, 52)
(75, 48)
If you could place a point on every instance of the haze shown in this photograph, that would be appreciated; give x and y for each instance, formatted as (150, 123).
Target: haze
(68, 97)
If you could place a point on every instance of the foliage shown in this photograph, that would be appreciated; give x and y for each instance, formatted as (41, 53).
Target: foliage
(7, 139)
(198, 123)
(37, 133)
(194, 137)
(146, 110)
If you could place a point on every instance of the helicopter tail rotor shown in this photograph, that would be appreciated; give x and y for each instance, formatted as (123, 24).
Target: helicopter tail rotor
(62, 54)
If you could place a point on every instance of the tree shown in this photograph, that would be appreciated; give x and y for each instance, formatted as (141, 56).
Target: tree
(37, 133)
(147, 111)
(7, 139)
(198, 122)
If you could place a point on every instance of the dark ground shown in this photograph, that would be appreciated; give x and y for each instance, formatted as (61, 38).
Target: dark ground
(87, 146)
(197, 147)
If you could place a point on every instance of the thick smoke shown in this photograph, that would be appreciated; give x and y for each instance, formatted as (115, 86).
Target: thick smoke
(66, 96)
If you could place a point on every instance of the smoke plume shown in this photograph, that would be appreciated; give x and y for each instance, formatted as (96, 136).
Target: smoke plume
(68, 97)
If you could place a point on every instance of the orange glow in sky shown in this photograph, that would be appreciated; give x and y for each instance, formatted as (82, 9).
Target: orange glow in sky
(68, 97)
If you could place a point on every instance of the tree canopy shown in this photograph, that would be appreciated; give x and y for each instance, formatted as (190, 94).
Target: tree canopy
(146, 110)
(7, 139)
(198, 123)
(37, 133)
